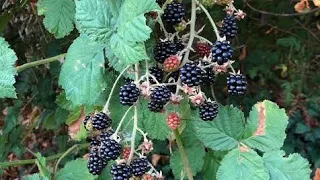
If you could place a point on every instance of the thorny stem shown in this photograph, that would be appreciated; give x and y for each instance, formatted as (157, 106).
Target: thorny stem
(192, 32)
(39, 62)
(122, 119)
(183, 155)
(106, 106)
(32, 161)
(135, 121)
(210, 19)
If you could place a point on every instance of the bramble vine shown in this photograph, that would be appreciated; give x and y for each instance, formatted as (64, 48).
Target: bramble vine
(162, 95)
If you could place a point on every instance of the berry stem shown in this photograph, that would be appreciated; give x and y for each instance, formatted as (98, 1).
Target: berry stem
(106, 106)
(39, 62)
(122, 119)
(135, 121)
(192, 32)
(231, 67)
(183, 154)
(210, 19)
(74, 147)
(213, 94)
(162, 26)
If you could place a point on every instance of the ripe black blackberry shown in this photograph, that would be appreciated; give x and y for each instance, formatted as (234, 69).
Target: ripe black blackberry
(207, 75)
(221, 52)
(101, 121)
(237, 84)
(190, 74)
(129, 94)
(179, 45)
(120, 172)
(110, 149)
(157, 73)
(139, 166)
(93, 142)
(229, 27)
(208, 111)
(155, 106)
(95, 163)
(174, 13)
(160, 94)
(163, 50)
(106, 135)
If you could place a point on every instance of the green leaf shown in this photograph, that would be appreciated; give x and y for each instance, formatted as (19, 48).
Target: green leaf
(42, 165)
(119, 25)
(94, 18)
(293, 167)
(74, 115)
(59, 16)
(53, 120)
(242, 165)
(195, 156)
(82, 134)
(75, 170)
(211, 164)
(289, 42)
(224, 132)
(63, 102)
(153, 123)
(83, 74)
(266, 127)
(7, 70)
(11, 119)
(34, 177)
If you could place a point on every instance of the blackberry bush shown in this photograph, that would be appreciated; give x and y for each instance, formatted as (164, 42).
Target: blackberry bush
(190, 74)
(221, 52)
(174, 13)
(163, 50)
(208, 111)
(101, 121)
(121, 171)
(95, 163)
(229, 27)
(139, 166)
(129, 94)
(237, 84)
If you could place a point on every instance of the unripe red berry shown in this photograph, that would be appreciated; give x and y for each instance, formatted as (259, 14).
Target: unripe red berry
(173, 120)
(171, 64)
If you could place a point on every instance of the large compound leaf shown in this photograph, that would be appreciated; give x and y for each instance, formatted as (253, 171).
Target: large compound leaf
(59, 16)
(195, 157)
(34, 177)
(75, 170)
(7, 71)
(266, 126)
(224, 132)
(121, 25)
(293, 167)
(243, 164)
(83, 76)
(94, 19)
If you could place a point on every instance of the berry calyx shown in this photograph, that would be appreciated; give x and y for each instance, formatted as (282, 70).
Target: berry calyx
(87, 123)
(174, 13)
(203, 49)
(221, 52)
(163, 50)
(190, 74)
(237, 84)
(101, 121)
(171, 63)
(208, 110)
(129, 94)
(229, 27)
(161, 95)
(139, 166)
(120, 171)
(173, 120)
(95, 163)
(157, 73)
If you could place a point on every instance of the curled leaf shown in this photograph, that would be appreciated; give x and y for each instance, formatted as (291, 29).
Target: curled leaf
(302, 6)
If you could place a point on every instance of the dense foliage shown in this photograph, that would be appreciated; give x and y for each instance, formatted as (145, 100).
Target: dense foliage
(111, 89)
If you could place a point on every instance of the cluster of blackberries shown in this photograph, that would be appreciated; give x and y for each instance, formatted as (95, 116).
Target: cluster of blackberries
(129, 94)
(105, 147)
(158, 98)
(229, 27)
(237, 84)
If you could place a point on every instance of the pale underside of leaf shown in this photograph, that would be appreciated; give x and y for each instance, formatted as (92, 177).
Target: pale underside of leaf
(7, 70)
